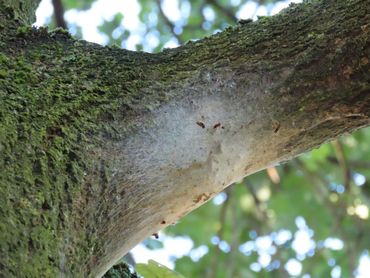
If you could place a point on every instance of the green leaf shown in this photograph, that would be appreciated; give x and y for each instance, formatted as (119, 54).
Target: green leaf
(156, 270)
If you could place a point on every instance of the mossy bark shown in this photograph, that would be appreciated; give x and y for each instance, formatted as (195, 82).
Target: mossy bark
(100, 147)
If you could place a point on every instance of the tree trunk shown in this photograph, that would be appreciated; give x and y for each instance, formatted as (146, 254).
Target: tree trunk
(102, 147)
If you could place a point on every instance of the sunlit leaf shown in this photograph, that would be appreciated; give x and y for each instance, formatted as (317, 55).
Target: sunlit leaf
(155, 270)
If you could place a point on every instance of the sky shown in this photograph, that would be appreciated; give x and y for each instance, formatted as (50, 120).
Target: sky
(303, 243)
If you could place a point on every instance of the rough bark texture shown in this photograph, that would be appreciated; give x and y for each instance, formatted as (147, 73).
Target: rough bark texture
(101, 147)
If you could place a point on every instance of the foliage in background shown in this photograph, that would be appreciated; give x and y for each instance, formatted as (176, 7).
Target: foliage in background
(307, 218)
(156, 270)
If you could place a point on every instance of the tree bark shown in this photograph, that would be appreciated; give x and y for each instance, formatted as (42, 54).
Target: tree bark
(102, 147)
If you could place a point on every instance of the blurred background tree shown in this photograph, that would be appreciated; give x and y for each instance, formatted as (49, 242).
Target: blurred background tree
(306, 218)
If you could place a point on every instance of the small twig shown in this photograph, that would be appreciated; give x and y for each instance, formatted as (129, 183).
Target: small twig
(261, 214)
(59, 14)
(273, 175)
(220, 232)
(351, 163)
(235, 236)
(168, 22)
(338, 210)
(339, 152)
(319, 184)
(227, 12)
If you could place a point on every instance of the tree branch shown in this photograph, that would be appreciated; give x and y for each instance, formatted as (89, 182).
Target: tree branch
(59, 14)
(102, 147)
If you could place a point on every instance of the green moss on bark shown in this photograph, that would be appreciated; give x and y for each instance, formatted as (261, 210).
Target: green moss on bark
(41, 173)
(22, 11)
(61, 99)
